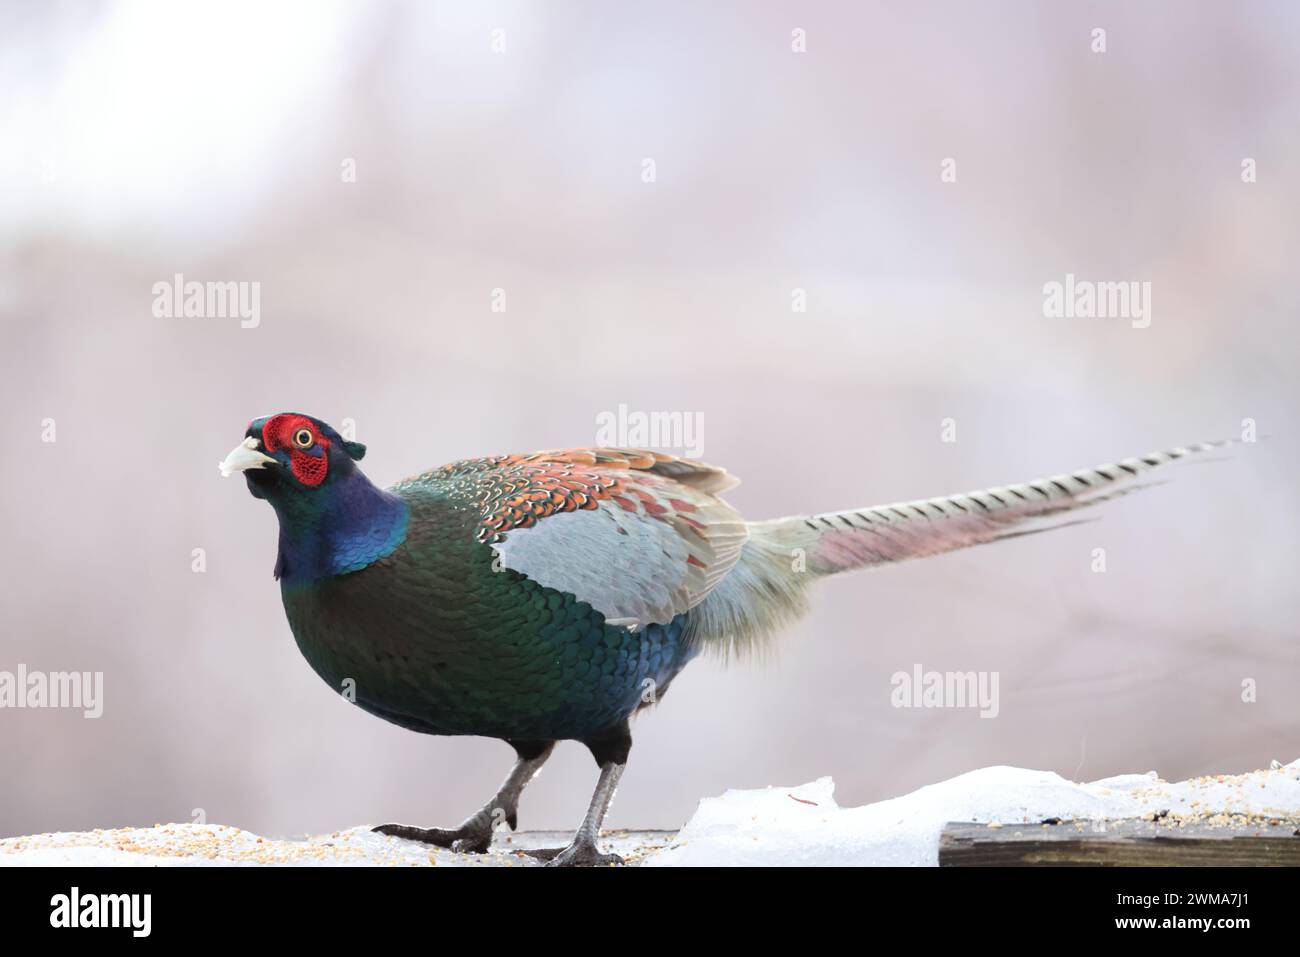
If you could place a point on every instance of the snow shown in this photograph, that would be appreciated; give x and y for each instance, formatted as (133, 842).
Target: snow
(804, 825)
(799, 826)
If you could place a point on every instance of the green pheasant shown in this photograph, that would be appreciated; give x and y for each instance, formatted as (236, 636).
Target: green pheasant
(551, 596)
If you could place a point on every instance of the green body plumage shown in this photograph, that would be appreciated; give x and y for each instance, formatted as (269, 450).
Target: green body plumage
(438, 637)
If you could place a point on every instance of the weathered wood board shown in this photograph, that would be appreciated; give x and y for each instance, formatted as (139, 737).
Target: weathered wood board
(1241, 842)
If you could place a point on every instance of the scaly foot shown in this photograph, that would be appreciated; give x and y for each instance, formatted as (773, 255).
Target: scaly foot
(577, 854)
(472, 837)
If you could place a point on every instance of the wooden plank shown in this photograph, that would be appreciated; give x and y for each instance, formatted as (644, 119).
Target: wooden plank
(1123, 843)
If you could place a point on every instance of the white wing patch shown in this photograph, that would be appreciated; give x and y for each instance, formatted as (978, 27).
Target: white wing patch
(633, 568)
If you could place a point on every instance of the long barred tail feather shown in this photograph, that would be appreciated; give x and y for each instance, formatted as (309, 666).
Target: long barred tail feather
(839, 541)
(781, 556)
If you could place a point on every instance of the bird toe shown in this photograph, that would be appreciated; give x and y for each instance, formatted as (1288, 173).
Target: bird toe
(575, 855)
(439, 837)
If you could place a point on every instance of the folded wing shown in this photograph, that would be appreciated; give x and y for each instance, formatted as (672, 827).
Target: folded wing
(638, 535)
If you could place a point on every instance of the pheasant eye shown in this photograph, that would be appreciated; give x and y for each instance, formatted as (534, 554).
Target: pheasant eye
(302, 438)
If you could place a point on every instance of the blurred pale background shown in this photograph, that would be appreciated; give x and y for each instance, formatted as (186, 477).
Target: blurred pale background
(145, 140)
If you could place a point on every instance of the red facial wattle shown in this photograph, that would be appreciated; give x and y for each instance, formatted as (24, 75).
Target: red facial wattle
(278, 435)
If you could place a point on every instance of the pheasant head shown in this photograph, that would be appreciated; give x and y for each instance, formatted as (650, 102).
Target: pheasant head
(289, 454)
(332, 520)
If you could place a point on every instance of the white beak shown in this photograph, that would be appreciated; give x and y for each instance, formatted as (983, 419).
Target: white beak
(244, 456)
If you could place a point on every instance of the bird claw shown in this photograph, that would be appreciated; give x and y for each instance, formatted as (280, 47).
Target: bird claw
(577, 854)
(473, 844)
(462, 840)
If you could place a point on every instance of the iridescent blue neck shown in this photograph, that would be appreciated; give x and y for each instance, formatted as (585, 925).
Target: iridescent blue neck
(340, 528)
